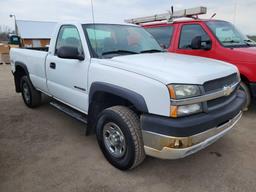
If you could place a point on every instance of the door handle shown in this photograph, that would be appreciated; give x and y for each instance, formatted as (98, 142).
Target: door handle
(53, 65)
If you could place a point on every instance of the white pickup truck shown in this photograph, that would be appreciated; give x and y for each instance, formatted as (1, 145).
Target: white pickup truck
(137, 98)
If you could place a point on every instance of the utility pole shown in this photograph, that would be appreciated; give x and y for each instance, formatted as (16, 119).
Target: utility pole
(15, 23)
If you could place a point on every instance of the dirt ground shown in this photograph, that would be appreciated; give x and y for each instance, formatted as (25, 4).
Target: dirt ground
(43, 150)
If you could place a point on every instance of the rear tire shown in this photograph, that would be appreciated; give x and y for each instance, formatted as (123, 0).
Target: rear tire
(31, 97)
(120, 138)
(245, 88)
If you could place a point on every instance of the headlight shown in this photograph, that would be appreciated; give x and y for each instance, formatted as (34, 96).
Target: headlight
(183, 91)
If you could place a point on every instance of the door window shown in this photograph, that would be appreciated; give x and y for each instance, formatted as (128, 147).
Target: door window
(163, 35)
(188, 33)
(69, 37)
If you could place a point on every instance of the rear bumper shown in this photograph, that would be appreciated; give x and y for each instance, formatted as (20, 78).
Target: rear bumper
(168, 138)
(253, 89)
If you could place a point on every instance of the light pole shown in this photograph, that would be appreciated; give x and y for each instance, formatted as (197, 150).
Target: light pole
(16, 28)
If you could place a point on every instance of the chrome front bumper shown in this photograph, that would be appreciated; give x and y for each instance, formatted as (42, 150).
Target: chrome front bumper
(167, 147)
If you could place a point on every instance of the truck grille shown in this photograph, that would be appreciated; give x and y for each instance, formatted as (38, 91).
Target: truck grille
(218, 84)
(220, 102)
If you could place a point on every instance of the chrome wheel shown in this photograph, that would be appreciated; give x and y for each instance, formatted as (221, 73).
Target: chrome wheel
(114, 140)
(26, 93)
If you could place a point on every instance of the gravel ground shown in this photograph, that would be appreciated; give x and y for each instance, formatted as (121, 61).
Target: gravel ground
(45, 150)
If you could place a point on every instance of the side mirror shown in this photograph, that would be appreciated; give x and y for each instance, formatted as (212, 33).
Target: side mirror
(197, 43)
(69, 53)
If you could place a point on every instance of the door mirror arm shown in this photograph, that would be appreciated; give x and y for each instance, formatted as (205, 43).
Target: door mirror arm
(81, 57)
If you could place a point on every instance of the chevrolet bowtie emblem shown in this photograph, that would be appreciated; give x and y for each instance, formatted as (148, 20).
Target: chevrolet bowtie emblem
(227, 90)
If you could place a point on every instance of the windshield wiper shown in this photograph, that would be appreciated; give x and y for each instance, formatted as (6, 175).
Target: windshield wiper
(119, 52)
(152, 51)
(249, 42)
(231, 41)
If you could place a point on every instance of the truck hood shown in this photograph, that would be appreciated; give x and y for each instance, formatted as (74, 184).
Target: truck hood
(243, 55)
(248, 50)
(173, 68)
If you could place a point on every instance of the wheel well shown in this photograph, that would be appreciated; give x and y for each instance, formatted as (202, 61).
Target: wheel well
(247, 83)
(19, 73)
(102, 100)
(244, 79)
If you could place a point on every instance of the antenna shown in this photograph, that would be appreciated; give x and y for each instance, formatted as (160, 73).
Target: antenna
(94, 30)
(171, 14)
(213, 16)
(235, 12)
(169, 18)
(93, 18)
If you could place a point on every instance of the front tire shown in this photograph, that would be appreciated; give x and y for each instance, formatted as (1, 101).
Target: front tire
(245, 88)
(31, 97)
(120, 138)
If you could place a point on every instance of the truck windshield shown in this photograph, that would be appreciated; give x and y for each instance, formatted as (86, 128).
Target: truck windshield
(109, 40)
(228, 35)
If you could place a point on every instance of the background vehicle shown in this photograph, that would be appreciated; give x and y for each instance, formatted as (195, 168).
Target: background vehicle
(136, 98)
(14, 40)
(206, 38)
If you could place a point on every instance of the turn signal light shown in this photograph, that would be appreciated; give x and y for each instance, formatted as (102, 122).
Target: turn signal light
(174, 111)
(172, 92)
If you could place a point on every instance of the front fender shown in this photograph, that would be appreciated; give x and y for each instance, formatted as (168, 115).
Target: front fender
(136, 99)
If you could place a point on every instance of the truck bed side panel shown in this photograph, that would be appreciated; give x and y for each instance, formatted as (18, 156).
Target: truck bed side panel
(35, 63)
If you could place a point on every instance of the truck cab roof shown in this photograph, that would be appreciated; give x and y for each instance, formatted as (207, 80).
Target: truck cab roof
(82, 22)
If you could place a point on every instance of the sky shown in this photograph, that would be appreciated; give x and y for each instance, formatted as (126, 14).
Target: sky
(118, 10)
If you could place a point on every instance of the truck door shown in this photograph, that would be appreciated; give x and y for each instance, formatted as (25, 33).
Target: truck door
(187, 34)
(67, 78)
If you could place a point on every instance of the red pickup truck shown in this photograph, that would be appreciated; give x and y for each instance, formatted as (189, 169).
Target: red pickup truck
(213, 39)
